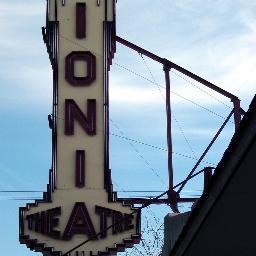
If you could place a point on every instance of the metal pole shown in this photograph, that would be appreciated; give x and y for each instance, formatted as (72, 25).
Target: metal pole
(176, 67)
(237, 113)
(138, 200)
(207, 176)
(169, 128)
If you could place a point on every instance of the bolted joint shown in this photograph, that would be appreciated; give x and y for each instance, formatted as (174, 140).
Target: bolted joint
(235, 99)
(173, 196)
(166, 65)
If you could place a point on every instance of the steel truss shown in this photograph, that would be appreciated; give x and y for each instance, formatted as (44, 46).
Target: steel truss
(174, 196)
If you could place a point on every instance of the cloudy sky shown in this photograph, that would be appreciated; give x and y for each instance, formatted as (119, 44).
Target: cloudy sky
(214, 39)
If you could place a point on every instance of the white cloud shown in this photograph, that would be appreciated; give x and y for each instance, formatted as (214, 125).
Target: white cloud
(207, 132)
(32, 86)
(239, 77)
(213, 39)
(183, 94)
(24, 9)
(20, 28)
(122, 92)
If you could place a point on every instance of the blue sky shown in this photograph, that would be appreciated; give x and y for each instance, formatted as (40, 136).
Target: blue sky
(214, 39)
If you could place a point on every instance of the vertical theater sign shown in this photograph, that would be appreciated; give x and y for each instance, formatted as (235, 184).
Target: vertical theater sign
(79, 214)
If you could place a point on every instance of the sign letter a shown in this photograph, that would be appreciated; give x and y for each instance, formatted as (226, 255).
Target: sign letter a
(72, 112)
(79, 223)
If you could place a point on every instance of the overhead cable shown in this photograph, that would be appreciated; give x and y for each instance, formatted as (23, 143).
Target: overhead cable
(143, 77)
(132, 213)
(175, 119)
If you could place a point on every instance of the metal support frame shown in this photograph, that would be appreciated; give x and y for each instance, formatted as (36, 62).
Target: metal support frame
(168, 65)
(138, 200)
(176, 67)
(160, 200)
(168, 125)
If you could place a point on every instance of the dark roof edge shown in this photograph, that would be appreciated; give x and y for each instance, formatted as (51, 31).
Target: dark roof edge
(238, 147)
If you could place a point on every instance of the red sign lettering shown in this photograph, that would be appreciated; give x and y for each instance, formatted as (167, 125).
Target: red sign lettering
(73, 112)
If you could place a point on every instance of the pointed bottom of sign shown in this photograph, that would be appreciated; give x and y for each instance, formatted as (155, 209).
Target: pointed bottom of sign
(48, 226)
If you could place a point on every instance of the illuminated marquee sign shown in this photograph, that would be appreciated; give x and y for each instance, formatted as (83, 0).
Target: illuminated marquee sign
(79, 204)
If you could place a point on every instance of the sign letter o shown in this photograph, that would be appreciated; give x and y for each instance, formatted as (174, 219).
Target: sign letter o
(90, 60)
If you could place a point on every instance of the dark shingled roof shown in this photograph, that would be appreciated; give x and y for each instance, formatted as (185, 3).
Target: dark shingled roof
(245, 135)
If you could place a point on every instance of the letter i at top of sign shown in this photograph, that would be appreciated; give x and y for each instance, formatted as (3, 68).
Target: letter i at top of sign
(79, 202)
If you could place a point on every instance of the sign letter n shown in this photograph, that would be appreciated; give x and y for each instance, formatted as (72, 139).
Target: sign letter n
(73, 112)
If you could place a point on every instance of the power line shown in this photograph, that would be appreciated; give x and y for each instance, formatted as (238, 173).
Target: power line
(143, 77)
(150, 191)
(21, 191)
(184, 136)
(141, 191)
(199, 88)
(139, 154)
(149, 210)
(152, 76)
(132, 213)
(175, 93)
(19, 199)
(158, 148)
(175, 119)
(149, 145)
